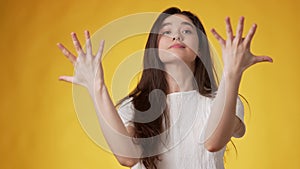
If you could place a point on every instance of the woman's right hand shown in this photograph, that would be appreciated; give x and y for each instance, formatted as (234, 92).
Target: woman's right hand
(88, 68)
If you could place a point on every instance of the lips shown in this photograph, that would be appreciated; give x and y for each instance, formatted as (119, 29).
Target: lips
(177, 45)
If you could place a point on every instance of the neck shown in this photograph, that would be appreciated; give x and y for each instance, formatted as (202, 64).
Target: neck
(180, 77)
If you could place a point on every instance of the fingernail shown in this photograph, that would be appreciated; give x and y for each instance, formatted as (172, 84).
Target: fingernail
(87, 34)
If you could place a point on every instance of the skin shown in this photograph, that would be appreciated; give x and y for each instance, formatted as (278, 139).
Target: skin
(237, 57)
(178, 61)
(89, 73)
(178, 29)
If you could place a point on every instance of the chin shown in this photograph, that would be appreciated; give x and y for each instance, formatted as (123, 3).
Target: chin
(175, 60)
(177, 56)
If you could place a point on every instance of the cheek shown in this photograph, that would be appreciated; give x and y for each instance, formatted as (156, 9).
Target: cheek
(193, 44)
(164, 54)
(163, 42)
(193, 50)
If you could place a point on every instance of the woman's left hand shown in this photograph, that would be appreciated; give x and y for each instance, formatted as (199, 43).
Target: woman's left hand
(237, 56)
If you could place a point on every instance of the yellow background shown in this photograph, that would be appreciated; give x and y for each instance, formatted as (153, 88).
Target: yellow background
(40, 130)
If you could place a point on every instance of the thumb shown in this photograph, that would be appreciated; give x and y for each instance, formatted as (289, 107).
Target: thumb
(69, 79)
(259, 59)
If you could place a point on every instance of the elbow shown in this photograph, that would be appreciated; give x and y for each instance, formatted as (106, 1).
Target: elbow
(213, 148)
(127, 162)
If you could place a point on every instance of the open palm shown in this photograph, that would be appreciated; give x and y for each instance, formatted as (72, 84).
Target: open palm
(88, 68)
(237, 56)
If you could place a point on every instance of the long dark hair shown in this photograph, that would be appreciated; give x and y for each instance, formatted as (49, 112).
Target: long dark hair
(155, 78)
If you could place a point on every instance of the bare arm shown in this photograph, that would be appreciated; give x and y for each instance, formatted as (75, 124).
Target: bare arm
(224, 122)
(89, 73)
(237, 58)
(116, 134)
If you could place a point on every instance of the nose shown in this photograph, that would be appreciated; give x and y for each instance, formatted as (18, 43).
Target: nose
(178, 37)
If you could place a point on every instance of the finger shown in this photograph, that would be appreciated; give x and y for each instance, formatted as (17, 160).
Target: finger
(218, 37)
(100, 50)
(77, 44)
(228, 29)
(88, 43)
(250, 35)
(258, 59)
(67, 53)
(239, 30)
(69, 79)
(242, 38)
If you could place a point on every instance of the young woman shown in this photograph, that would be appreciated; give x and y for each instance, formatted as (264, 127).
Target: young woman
(178, 116)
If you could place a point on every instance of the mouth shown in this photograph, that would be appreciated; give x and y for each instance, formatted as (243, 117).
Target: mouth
(177, 46)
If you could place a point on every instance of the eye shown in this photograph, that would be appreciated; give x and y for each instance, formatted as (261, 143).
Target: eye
(187, 31)
(166, 33)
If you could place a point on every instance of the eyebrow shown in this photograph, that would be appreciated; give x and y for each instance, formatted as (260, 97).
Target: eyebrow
(182, 23)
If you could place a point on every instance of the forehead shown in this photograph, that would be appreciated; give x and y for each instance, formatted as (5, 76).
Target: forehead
(177, 19)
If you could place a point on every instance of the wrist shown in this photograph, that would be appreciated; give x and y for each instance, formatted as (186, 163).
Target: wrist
(97, 89)
(233, 76)
(232, 73)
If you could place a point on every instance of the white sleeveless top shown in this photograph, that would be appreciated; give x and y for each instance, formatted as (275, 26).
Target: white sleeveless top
(188, 113)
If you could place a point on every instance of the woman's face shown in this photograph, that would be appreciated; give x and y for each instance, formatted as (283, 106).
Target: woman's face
(178, 40)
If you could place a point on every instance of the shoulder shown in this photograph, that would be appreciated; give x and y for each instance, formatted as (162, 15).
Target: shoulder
(127, 102)
(209, 98)
(126, 111)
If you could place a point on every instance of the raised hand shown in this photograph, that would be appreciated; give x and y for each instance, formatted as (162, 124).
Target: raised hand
(237, 56)
(88, 68)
